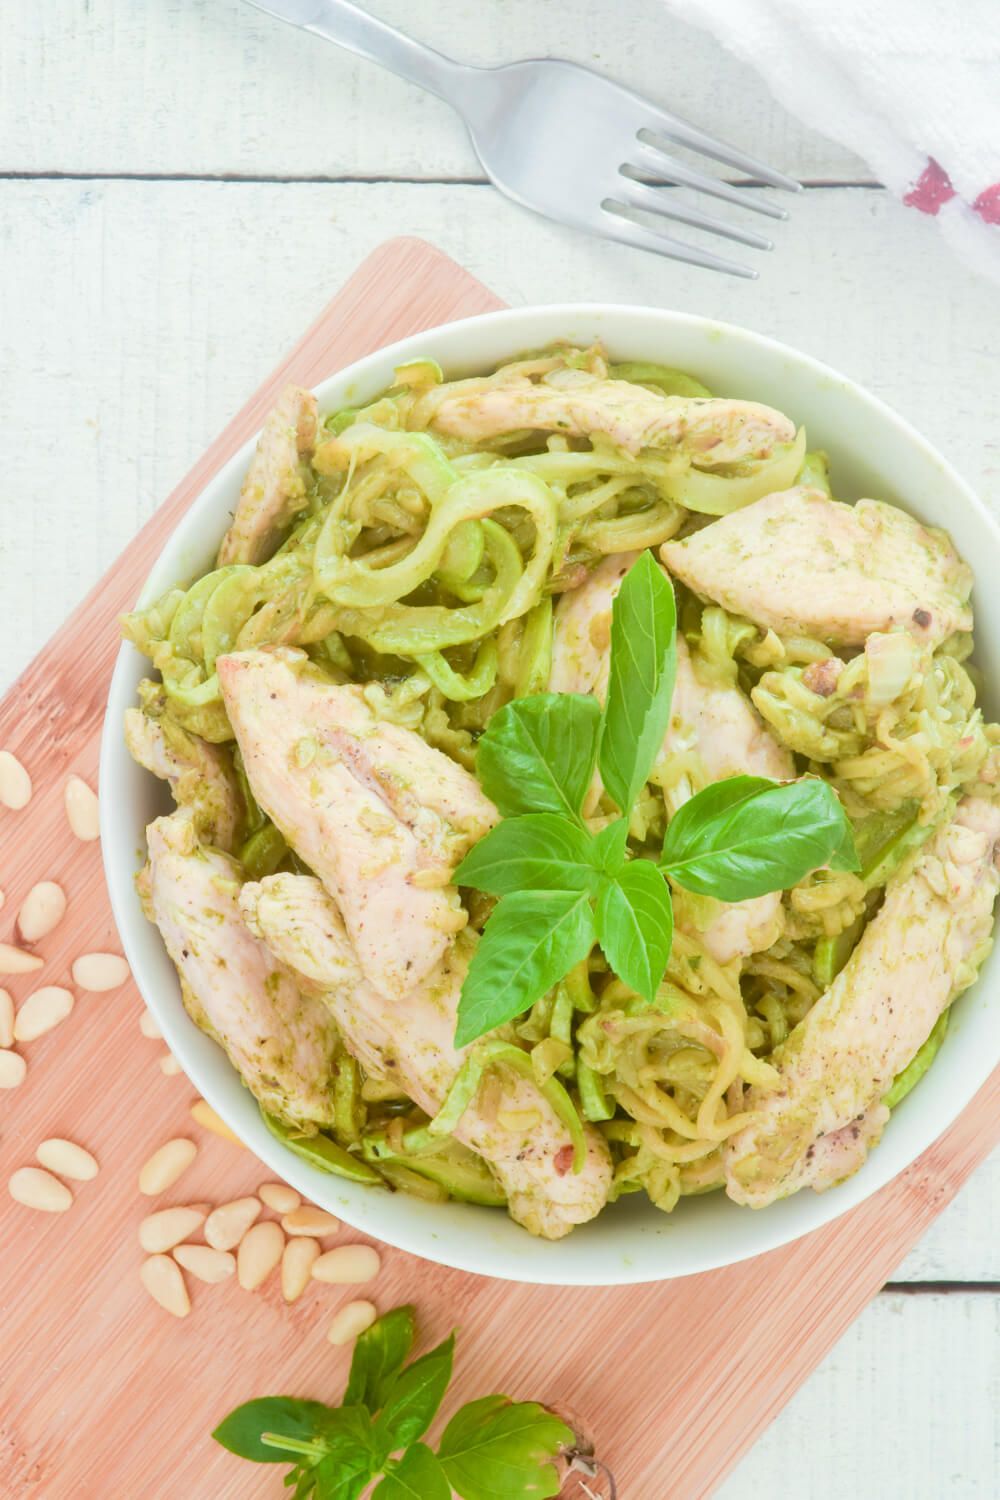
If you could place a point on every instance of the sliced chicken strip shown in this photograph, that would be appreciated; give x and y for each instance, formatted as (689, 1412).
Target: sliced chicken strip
(581, 629)
(719, 725)
(710, 431)
(411, 1044)
(800, 563)
(922, 949)
(200, 774)
(715, 722)
(381, 816)
(273, 490)
(281, 1041)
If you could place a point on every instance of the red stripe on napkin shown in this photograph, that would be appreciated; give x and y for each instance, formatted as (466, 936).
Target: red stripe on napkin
(931, 189)
(987, 205)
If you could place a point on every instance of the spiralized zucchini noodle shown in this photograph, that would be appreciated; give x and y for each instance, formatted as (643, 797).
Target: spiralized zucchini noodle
(426, 567)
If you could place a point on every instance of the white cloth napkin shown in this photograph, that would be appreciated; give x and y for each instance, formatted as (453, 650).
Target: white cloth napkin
(912, 86)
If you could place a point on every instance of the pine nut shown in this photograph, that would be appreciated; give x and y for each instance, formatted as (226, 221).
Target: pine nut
(41, 1012)
(227, 1224)
(205, 1115)
(351, 1321)
(38, 1189)
(16, 961)
(67, 1159)
(6, 1019)
(165, 1166)
(12, 1069)
(310, 1220)
(279, 1196)
(100, 971)
(81, 809)
(260, 1251)
(348, 1265)
(42, 909)
(149, 1025)
(15, 783)
(164, 1282)
(205, 1263)
(169, 1065)
(296, 1266)
(167, 1228)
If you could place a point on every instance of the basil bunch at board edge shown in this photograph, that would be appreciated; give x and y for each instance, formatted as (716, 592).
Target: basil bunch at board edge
(491, 1449)
(562, 888)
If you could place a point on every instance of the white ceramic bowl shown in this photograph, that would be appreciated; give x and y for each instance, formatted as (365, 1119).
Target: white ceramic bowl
(873, 452)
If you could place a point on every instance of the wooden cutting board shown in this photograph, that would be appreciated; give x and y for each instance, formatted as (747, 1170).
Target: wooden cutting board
(102, 1394)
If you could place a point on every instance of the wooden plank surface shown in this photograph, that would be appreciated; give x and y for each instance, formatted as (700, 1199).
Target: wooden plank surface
(683, 1374)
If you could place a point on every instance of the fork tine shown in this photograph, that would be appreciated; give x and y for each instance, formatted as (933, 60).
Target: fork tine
(618, 226)
(686, 134)
(675, 171)
(658, 200)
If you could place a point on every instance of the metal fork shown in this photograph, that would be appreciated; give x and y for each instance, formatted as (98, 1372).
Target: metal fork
(563, 140)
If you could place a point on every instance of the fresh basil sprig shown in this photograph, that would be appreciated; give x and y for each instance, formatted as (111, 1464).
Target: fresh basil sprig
(492, 1449)
(562, 888)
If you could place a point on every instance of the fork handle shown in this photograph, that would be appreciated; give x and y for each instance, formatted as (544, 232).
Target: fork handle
(351, 27)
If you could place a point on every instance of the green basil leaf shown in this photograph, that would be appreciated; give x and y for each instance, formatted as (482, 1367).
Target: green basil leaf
(635, 926)
(287, 1415)
(536, 852)
(417, 1476)
(608, 847)
(746, 836)
(379, 1355)
(538, 753)
(413, 1398)
(529, 943)
(497, 1449)
(337, 1478)
(641, 684)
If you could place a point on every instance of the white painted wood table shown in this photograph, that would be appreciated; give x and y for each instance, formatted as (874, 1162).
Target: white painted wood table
(182, 185)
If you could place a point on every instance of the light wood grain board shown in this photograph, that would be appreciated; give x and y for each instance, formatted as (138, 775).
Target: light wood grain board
(102, 1394)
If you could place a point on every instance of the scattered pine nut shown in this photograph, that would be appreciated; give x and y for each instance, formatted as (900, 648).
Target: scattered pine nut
(12, 1069)
(149, 1025)
(279, 1196)
(207, 1264)
(296, 1266)
(165, 1166)
(351, 1321)
(41, 1012)
(15, 783)
(169, 1065)
(16, 961)
(6, 1019)
(260, 1251)
(36, 1188)
(227, 1224)
(42, 909)
(100, 971)
(310, 1220)
(168, 1227)
(164, 1282)
(67, 1159)
(81, 809)
(348, 1265)
(205, 1115)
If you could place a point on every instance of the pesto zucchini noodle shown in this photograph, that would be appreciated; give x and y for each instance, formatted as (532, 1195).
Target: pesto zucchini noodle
(451, 546)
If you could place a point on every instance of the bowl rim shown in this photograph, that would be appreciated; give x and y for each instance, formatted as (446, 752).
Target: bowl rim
(129, 920)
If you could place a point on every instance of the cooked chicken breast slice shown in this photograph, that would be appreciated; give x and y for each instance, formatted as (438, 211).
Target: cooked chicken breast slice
(715, 722)
(800, 563)
(718, 724)
(711, 431)
(281, 1041)
(411, 1043)
(199, 774)
(273, 490)
(379, 815)
(922, 949)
